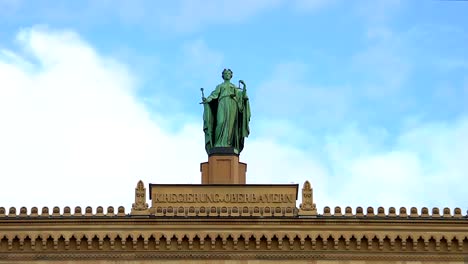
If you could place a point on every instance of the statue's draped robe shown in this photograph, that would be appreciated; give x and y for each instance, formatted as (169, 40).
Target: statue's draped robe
(226, 117)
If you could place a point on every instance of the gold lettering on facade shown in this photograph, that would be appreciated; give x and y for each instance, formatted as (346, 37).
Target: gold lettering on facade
(225, 198)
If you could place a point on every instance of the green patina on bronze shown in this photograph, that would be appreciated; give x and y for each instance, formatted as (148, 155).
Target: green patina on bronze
(226, 115)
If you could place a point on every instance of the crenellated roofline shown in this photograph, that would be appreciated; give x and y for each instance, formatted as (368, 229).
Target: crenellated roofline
(217, 231)
(349, 213)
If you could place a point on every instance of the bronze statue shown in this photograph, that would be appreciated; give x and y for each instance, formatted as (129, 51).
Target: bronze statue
(226, 115)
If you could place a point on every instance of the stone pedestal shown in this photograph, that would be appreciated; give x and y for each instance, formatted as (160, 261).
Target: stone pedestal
(223, 167)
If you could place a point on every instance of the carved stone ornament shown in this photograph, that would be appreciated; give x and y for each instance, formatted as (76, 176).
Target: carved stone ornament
(140, 207)
(307, 207)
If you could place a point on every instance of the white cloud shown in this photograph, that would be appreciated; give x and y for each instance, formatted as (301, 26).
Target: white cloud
(425, 166)
(389, 179)
(272, 162)
(72, 132)
(354, 163)
(289, 93)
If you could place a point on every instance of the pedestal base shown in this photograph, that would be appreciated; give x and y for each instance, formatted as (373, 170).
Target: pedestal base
(223, 168)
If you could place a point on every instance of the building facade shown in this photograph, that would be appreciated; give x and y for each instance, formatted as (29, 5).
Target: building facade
(186, 229)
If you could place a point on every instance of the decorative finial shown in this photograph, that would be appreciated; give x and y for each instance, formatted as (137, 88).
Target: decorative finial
(140, 207)
(307, 207)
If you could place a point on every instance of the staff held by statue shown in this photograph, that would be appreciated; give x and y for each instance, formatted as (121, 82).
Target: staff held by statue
(206, 116)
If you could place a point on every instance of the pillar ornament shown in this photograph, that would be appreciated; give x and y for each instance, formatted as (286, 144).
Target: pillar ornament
(307, 207)
(140, 207)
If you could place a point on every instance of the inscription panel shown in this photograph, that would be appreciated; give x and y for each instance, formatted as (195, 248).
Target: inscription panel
(216, 199)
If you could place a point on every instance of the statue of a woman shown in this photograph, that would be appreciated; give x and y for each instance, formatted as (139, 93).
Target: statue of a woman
(226, 115)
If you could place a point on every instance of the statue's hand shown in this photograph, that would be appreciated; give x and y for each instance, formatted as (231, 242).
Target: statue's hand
(204, 99)
(242, 82)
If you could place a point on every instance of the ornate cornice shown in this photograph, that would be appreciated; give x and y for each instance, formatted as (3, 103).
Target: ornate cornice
(330, 237)
(373, 235)
(222, 255)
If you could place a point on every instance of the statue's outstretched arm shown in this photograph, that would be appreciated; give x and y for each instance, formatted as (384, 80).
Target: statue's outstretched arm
(214, 94)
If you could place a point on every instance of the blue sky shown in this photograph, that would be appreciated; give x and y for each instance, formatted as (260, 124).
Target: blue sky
(365, 99)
